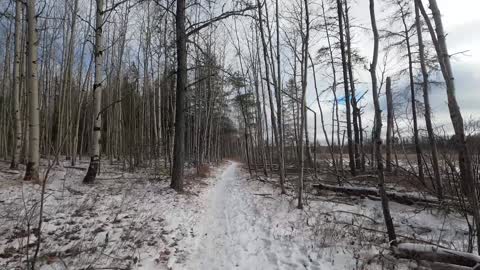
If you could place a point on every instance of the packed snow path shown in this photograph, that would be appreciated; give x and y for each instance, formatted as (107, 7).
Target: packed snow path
(235, 234)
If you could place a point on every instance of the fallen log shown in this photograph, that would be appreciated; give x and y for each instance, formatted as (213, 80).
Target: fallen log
(438, 255)
(406, 199)
(11, 172)
(441, 266)
(75, 168)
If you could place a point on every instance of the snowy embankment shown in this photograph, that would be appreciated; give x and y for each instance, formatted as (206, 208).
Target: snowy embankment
(227, 221)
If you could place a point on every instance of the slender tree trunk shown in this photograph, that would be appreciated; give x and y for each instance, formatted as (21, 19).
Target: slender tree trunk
(16, 86)
(267, 76)
(388, 92)
(308, 153)
(428, 110)
(5, 110)
(32, 171)
(330, 148)
(97, 96)
(347, 91)
(244, 108)
(280, 116)
(62, 91)
(355, 111)
(362, 148)
(69, 81)
(259, 116)
(418, 150)
(378, 132)
(268, 146)
(82, 86)
(303, 103)
(334, 91)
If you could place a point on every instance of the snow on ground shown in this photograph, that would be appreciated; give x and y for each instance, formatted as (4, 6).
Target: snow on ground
(123, 221)
(249, 225)
(227, 221)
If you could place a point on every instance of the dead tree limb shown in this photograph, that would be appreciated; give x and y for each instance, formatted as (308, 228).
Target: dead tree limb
(365, 191)
(438, 255)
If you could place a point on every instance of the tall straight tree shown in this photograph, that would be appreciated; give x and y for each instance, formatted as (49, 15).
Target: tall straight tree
(97, 96)
(377, 134)
(179, 147)
(305, 40)
(331, 59)
(356, 115)
(347, 91)
(269, 91)
(388, 150)
(16, 85)
(278, 96)
(68, 81)
(426, 102)
(31, 172)
(406, 31)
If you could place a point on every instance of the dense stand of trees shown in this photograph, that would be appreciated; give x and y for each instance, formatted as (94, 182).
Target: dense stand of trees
(102, 94)
(168, 83)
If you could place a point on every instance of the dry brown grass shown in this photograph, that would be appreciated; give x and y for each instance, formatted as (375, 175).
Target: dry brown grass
(203, 171)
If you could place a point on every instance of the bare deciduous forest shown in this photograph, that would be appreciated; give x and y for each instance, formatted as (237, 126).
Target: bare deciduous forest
(245, 134)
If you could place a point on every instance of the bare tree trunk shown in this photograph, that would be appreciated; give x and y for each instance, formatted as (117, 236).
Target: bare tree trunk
(179, 146)
(418, 150)
(267, 76)
(355, 110)
(69, 81)
(388, 92)
(428, 110)
(347, 90)
(280, 116)
(269, 147)
(303, 103)
(32, 171)
(97, 96)
(362, 149)
(259, 111)
(335, 102)
(330, 148)
(244, 108)
(16, 86)
(464, 158)
(158, 110)
(378, 131)
(5, 110)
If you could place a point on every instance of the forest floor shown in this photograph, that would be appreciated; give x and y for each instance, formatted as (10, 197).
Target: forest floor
(226, 221)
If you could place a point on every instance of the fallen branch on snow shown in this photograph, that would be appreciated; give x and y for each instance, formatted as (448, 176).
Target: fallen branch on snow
(409, 238)
(12, 172)
(75, 168)
(361, 191)
(267, 196)
(454, 259)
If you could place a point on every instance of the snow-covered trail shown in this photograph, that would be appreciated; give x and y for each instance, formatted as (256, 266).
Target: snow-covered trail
(235, 233)
(227, 221)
